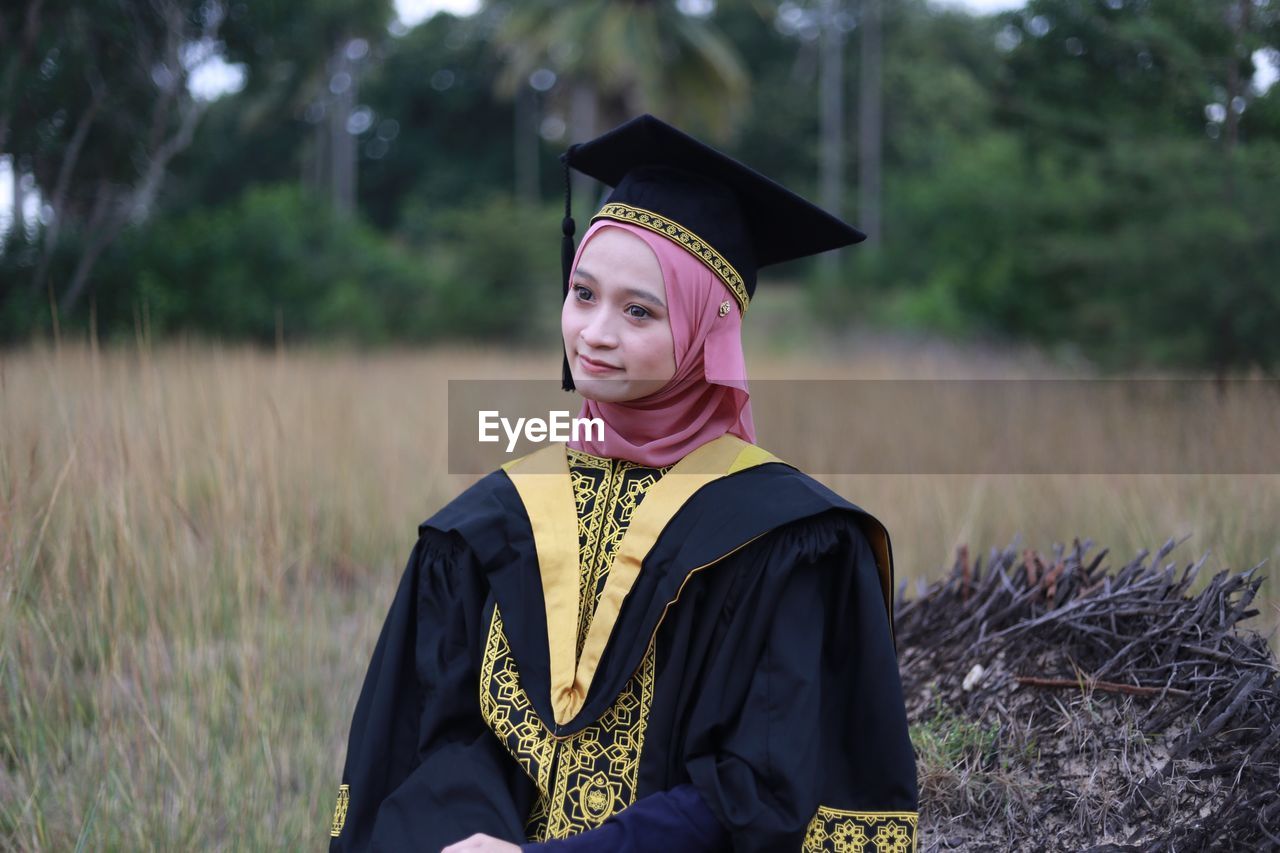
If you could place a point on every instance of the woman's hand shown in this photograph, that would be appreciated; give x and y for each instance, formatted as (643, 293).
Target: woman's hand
(481, 843)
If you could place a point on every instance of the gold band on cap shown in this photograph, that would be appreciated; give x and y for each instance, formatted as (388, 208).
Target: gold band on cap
(683, 237)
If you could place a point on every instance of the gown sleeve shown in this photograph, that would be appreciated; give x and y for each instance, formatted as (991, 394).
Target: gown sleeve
(422, 769)
(799, 738)
(661, 822)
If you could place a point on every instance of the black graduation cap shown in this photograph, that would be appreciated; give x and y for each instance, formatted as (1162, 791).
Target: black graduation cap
(725, 213)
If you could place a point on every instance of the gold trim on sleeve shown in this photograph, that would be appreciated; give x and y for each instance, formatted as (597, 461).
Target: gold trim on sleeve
(878, 538)
(681, 236)
(340, 811)
(861, 832)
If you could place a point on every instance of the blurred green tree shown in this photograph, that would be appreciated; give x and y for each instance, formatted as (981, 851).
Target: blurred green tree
(310, 58)
(1087, 191)
(1085, 72)
(439, 139)
(96, 104)
(277, 262)
(1096, 175)
(615, 60)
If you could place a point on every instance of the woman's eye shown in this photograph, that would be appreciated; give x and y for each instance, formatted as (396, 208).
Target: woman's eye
(643, 312)
(579, 290)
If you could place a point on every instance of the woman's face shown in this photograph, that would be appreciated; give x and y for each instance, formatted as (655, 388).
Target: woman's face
(616, 327)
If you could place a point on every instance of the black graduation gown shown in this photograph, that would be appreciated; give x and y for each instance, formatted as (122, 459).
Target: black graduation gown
(758, 613)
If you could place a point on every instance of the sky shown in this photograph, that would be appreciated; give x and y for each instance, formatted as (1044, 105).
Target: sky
(415, 11)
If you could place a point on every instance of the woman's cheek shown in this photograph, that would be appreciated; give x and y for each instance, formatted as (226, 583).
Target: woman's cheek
(570, 322)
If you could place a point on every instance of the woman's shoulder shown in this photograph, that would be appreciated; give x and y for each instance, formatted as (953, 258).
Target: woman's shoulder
(778, 489)
(812, 521)
(772, 502)
(482, 515)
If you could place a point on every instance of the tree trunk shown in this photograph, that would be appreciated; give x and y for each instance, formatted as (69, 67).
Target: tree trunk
(144, 197)
(870, 122)
(342, 145)
(113, 212)
(831, 94)
(58, 201)
(316, 174)
(16, 60)
(526, 144)
(1238, 21)
(583, 111)
(831, 111)
(1227, 346)
(104, 225)
(19, 225)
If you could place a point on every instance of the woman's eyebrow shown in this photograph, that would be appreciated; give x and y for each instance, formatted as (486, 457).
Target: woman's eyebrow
(633, 292)
(645, 295)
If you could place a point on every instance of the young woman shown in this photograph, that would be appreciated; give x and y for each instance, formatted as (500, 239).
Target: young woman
(667, 638)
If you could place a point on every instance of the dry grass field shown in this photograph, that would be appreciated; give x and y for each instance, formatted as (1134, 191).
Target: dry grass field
(198, 545)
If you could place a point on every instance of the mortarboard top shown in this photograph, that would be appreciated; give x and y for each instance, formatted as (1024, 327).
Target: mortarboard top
(725, 213)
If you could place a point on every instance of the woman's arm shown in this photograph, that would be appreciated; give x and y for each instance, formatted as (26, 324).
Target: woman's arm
(422, 769)
(800, 736)
(662, 822)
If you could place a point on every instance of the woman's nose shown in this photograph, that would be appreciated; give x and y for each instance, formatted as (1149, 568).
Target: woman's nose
(599, 332)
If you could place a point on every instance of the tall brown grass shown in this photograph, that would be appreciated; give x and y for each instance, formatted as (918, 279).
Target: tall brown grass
(198, 545)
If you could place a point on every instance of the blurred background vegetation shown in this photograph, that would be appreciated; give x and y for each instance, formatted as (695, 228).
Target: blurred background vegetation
(1100, 177)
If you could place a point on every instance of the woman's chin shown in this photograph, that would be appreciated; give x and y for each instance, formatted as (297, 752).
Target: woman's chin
(603, 390)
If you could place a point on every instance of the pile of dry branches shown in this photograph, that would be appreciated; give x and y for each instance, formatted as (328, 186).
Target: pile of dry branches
(1057, 704)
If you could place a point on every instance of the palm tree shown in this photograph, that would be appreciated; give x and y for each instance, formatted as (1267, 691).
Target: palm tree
(618, 58)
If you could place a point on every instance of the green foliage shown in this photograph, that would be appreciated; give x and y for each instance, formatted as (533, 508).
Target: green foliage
(275, 261)
(631, 56)
(1068, 173)
(1204, 244)
(1075, 197)
(244, 141)
(279, 38)
(279, 261)
(439, 137)
(21, 305)
(965, 765)
(1082, 72)
(85, 66)
(1157, 253)
(498, 263)
(947, 740)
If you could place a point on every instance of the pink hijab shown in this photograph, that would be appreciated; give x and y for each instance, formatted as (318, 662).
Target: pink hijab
(707, 397)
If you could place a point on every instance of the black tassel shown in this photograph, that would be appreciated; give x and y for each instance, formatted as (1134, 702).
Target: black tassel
(566, 256)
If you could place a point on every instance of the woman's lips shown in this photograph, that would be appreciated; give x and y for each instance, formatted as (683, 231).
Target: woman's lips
(595, 367)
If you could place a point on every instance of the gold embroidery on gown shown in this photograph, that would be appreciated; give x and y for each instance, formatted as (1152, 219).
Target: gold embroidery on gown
(582, 778)
(861, 832)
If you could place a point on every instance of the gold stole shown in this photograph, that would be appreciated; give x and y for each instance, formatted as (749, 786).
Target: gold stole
(543, 482)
